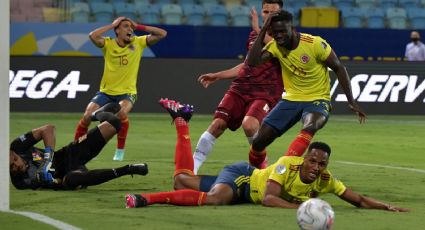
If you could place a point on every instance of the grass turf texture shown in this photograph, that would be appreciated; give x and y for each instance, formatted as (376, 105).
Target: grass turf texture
(384, 140)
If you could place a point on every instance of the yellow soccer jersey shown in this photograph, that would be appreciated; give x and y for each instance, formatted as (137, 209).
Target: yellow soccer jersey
(121, 66)
(304, 73)
(286, 172)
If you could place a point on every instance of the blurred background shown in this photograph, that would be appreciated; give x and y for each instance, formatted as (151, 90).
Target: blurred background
(370, 36)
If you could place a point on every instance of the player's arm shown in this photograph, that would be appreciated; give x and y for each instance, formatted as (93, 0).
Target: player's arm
(256, 26)
(155, 34)
(96, 36)
(209, 78)
(361, 201)
(256, 55)
(339, 69)
(47, 134)
(272, 196)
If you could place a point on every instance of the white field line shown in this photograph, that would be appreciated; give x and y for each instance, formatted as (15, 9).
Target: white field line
(382, 166)
(45, 219)
(372, 121)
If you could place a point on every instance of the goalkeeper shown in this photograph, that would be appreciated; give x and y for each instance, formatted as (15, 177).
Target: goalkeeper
(64, 169)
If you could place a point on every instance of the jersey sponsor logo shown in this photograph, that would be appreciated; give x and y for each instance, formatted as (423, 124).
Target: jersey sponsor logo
(280, 169)
(304, 58)
(30, 84)
(384, 88)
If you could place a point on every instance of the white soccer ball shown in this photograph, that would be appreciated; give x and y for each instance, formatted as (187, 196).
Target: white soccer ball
(315, 214)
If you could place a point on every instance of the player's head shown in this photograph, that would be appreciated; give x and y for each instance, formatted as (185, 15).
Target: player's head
(269, 7)
(124, 30)
(315, 161)
(415, 36)
(16, 164)
(282, 29)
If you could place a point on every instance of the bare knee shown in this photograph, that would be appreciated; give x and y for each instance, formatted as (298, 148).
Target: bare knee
(179, 182)
(217, 127)
(250, 128)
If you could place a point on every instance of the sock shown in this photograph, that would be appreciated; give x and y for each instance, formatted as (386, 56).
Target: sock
(122, 134)
(183, 154)
(250, 140)
(299, 144)
(92, 177)
(257, 158)
(185, 197)
(81, 130)
(203, 149)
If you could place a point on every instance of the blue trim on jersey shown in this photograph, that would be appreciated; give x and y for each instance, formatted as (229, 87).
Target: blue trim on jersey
(102, 98)
(287, 113)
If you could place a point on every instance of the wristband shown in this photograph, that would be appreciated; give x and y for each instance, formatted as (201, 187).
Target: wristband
(141, 27)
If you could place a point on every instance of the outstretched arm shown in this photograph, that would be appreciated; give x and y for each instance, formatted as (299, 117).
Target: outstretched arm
(272, 196)
(96, 35)
(341, 72)
(256, 27)
(155, 34)
(367, 202)
(209, 78)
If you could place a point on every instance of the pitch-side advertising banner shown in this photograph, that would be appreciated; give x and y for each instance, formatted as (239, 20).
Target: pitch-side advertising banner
(66, 84)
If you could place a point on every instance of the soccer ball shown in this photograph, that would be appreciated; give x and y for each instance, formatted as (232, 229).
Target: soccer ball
(315, 214)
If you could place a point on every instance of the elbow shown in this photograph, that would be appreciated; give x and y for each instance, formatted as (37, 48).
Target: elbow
(164, 34)
(266, 201)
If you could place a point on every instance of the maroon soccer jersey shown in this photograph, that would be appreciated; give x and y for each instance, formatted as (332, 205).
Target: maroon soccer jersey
(264, 81)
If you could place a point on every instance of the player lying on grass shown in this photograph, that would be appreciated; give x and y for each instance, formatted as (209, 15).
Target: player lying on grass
(286, 183)
(32, 167)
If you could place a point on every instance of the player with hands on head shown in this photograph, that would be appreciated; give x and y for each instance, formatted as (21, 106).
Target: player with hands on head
(122, 60)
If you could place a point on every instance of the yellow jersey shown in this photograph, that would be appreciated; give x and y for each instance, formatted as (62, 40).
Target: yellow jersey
(304, 72)
(286, 172)
(121, 66)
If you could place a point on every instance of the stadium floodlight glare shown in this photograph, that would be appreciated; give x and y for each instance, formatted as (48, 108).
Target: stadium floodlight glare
(4, 106)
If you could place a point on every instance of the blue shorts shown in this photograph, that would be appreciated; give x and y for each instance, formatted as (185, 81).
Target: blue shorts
(237, 176)
(102, 98)
(287, 113)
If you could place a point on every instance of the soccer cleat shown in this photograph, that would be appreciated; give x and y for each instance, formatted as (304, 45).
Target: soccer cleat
(175, 109)
(110, 107)
(119, 155)
(135, 201)
(140, 169)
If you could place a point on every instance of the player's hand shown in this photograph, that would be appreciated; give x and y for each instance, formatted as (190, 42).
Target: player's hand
(207, 79)
(356, 108)
(133, 23)
(117, 21)
(43, 175)
(254, 20)
(397, 209)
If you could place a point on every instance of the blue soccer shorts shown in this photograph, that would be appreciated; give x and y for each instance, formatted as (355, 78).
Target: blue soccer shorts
(287, 113)
(102, 98)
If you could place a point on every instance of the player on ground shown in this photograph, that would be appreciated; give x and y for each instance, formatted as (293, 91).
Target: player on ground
(286, 183)
(252, 94)
(304, 60)
(122, 59)
(32, 167)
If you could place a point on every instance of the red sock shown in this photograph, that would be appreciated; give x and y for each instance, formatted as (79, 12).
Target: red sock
(185, 197)
(81, 130)
(183, 158)
(300, 144)
(122, 134)
(258, 159)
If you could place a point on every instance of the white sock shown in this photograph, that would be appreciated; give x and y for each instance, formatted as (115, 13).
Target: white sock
(250, 140)
(203, 149)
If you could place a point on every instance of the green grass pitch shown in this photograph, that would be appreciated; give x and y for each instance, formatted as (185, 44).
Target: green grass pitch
(394, 141)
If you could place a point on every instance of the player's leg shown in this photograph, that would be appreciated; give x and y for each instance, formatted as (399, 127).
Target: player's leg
(97, 101)
(126, 106)
(315, 115)
(229, 114)
(77, 178)
(283, 116)
(256, 111)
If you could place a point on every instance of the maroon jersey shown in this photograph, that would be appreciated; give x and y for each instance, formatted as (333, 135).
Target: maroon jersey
(264, 81)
